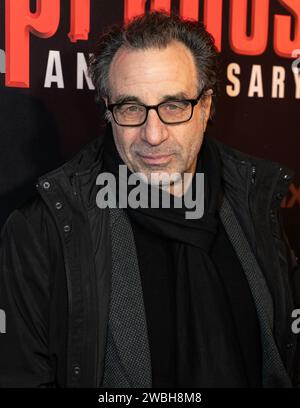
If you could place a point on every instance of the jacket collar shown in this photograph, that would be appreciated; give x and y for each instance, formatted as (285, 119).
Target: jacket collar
(242, 174)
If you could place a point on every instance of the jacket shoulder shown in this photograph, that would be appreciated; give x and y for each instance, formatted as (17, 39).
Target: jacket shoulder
(228, 152)
(27, 269)
(85, 160)
(31, 224)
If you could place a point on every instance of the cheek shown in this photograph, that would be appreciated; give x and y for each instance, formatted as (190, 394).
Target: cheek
(196, 133)
(191, 139)
(124, 138)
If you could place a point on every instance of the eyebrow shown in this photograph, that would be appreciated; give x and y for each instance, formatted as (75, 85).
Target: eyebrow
(131, 98)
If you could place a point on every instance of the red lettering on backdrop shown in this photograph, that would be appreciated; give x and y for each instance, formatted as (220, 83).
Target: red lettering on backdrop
(80, 20)
(213, 19)
(212, 16)
(161, 5)
(20, 22)
(240, 42)
(283, 44)
(188, 9)
(133, 8)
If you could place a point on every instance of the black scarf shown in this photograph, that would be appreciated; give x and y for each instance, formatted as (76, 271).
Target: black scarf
(195, 291)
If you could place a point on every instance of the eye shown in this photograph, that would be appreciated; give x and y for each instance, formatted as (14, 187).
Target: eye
(171, 106)
(133, 108)
(130, 108)
(175, 106)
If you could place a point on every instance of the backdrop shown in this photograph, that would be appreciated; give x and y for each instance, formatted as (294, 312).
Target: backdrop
(47, 110)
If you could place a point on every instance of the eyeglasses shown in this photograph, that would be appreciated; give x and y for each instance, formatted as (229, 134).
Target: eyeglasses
(171, 112)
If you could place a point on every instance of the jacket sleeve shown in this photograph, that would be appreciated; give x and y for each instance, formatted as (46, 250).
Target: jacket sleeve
(294, 278)
(296, 287)
(24, 301)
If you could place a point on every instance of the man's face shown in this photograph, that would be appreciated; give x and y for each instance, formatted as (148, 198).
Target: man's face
(153, 76)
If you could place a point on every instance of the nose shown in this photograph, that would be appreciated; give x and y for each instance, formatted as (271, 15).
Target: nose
(154, 131)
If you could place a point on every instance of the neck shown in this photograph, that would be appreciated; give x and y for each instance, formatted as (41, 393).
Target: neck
(180, 186)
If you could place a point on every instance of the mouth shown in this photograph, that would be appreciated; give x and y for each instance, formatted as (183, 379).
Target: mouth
(156, 159)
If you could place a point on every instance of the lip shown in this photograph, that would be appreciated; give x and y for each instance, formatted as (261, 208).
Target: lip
(158, 159)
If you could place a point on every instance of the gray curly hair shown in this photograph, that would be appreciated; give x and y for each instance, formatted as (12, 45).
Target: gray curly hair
(156, 30)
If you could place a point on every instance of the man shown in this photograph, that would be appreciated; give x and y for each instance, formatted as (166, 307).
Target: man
(128, 296)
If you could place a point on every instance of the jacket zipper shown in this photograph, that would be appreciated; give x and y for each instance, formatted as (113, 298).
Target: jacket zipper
(69, 289)
(74, 184)
(253, 175)
(76, 193)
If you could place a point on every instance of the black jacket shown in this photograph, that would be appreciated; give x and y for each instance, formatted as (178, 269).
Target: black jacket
(55, 269)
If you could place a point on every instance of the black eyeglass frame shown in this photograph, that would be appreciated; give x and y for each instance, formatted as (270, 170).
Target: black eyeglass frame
(193, 103)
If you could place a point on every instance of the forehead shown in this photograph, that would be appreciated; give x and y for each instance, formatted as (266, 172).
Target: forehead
(149, 74)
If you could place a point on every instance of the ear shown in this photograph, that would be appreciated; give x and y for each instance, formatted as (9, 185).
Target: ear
(206, 101)
(105, 99)
(107, 115)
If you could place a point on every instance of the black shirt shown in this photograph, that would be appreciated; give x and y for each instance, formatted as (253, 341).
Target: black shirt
(158, 282)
